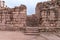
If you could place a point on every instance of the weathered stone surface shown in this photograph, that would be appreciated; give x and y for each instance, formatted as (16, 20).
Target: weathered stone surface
(48, 12)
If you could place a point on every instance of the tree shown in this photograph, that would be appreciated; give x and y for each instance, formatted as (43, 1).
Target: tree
(32, 21)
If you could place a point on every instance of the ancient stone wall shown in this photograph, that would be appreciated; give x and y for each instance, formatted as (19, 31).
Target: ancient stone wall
(11, 18)
(48, 13)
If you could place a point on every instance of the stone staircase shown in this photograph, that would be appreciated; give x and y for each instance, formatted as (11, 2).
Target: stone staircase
(31, 31)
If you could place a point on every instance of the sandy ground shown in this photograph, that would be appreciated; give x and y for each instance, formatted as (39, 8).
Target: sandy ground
(9, 35)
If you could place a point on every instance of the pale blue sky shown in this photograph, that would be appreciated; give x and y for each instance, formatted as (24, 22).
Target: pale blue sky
(31, 4)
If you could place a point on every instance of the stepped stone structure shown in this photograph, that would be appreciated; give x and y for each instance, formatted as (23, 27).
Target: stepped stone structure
(12, 17)
(48, 13)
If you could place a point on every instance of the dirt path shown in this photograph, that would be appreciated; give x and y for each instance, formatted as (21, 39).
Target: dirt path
(9, 35)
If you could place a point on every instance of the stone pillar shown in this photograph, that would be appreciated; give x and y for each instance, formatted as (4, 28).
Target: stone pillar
(2, 3)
